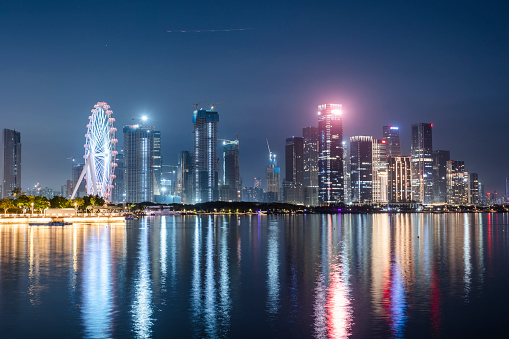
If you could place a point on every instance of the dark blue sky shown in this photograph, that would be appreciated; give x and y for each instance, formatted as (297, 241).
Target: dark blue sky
(389, 62)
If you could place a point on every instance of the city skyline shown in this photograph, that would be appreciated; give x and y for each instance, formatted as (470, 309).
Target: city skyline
(398, 70)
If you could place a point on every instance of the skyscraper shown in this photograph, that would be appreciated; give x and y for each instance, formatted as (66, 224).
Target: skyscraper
(272, 179)
(330, 158)
(185, 177)
(158, 163)
(231, 174)
(206, 166)
(12, 161)
(457, 183)
(422, 163)
(400, 180)
(139, 163)
(380, 175)
(473, 196)
(440, 159)
(293, 188)
(392, 143)
(361, 169)
(310, 162)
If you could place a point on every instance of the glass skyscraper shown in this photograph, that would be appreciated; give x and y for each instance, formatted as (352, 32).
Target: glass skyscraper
(231, 174)
(206, 165)
(392, 141)
(422, 163)
(330, 158)
(139, 163)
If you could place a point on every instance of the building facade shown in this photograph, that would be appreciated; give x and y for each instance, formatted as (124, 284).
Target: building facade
(206, 165)
(11, 154)
(118, 193)
(473, 196)
(361, 169)
(330, 157)
(399, 179)
(440, 159)
(422, 163)
(392, 140)
(272, 180)
(139, 163)
(185, 177)
(457, 183)
(76, 173)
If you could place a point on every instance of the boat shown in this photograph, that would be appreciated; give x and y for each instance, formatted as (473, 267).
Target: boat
(49, 223)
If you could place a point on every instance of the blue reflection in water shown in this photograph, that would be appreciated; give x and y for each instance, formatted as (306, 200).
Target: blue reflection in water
(141, 309)
(224, 279)
(210, 296)
(97, 305)
(397, 304)
(273, 268)
(196, 303)
(163, 250)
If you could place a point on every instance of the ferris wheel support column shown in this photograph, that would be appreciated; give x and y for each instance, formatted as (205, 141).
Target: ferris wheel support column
(88, 165)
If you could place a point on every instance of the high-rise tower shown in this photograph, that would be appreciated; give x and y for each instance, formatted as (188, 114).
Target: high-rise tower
(139, 163)
(231, 174)
(422, 163)
(293, 188)
(185, 177)
(206, 166)
(440, 159)
(12, 161)
(272, 179)
(392, 142)
(330, 159)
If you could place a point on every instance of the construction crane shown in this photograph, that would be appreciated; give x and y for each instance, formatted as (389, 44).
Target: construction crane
(216, 103)
(196, 105)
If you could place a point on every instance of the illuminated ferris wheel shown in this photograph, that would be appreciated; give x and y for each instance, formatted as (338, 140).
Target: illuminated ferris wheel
(100, 152)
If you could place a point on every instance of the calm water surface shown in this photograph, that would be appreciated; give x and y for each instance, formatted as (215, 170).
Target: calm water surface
(406, 275)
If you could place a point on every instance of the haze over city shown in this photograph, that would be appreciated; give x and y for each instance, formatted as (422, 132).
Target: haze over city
(441, 63)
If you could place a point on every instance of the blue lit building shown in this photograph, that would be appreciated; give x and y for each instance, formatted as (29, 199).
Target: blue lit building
(206, 165)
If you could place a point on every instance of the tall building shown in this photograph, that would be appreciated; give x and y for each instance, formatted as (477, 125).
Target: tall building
(139, 163)
(76, 173)
(380, 171)
(272, 180)
(310, 135)
(293, 188)
(206, 166)
(361, 169)
(330, 157)
(157, 163)
(185, 177)
(346, 174)
(399, 180)
(440, 159)
(118, 194)
(473, 196)
(12, 162)
(506, 189)
(422, 163)
(457, 183)
(392, 141)
(231, 174)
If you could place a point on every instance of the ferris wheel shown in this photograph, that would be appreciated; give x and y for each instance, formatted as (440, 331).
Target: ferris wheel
(100, 152)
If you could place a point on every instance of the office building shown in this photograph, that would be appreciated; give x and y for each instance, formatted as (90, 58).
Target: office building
(422, 163)
(346, 174)
(231, 174)
(361, 169)
(185, 177)
(440, 159)
(310, 135)
(206, 165)
(392, 141)
(399, 180)
(380, 171)
(118, 193)
(457, 183)
(473, 196)
(272, 180)
(330, 156)
(293, 188)
(139, 163)
(11, 162)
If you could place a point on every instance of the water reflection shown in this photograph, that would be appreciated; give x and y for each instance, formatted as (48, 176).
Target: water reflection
(270, 276)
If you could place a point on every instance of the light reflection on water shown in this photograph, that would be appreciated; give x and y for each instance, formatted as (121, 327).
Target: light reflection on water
(261, 276)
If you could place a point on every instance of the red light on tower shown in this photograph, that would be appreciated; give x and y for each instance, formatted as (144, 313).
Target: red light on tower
(383, 141)
(431, 125)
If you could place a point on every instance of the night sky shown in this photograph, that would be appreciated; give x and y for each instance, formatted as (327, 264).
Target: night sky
(387, 62)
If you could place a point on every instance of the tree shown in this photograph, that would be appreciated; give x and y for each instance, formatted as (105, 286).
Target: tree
(16, 192)
(41, 203)
(5, 204)
(59, 202)
(22, 202)
(78, 202)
